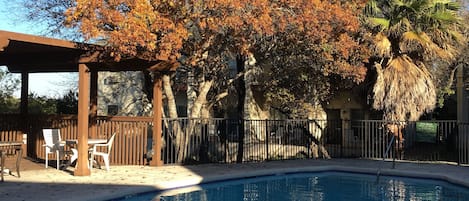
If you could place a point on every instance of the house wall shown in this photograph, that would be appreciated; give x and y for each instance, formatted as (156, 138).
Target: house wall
(121, 94)
(348, 102)
(342, 110)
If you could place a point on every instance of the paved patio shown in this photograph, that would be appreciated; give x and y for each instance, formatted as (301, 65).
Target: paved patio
(38, 183)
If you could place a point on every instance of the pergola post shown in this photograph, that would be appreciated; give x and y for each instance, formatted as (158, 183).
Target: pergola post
(24, 107)
(157, 120)
(24, 93)
(94, 103)
(82, 168)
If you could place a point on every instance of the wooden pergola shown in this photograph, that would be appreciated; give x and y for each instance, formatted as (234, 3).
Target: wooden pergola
(23, 53)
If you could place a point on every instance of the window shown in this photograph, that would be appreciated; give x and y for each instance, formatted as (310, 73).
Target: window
(334, 127)
(356, 116)
(112, 110)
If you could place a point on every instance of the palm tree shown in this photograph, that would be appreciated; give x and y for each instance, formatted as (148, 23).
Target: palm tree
(407, 35)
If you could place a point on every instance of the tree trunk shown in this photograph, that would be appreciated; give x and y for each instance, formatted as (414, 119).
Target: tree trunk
(191, 92)
(194, 119)
(201, 99)
(172, 108)
(241, 93)
(252, 108)
(174, 127)
(317, 117)
(181, 139)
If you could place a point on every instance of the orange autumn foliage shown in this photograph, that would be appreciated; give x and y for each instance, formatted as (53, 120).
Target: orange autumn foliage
(159, 29)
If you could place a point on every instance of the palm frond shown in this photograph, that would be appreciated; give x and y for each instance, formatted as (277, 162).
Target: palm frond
(372, 8)
(415, 6)
(397, 3)
(457, 36)
(445, 5)
(382, 45)
(404, 97)
(383, 23)
(445, 17)
(427, 45)
(421, 38)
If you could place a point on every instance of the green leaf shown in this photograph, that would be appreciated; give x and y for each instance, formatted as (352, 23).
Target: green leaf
(444, 16)
(382, 22)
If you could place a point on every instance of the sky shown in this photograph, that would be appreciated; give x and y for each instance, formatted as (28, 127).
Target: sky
(42, 84)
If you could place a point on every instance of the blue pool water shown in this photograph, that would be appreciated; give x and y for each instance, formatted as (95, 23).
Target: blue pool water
(326, 186)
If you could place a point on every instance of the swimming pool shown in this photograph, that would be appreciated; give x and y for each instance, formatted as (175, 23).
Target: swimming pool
(323, 186)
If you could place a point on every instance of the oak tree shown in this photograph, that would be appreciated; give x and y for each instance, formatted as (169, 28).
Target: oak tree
(314, 41)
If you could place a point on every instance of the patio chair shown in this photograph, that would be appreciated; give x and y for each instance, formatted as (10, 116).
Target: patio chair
(96, 151)
(53, 145)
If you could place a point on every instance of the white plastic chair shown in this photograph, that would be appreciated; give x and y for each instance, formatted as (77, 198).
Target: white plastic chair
(105, 154)
(53, 145)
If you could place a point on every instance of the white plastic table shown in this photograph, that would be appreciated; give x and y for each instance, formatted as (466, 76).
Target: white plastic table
(73, 142)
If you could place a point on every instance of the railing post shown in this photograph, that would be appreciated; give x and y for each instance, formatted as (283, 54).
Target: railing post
(394, 153)
(226, 140)
(457, 146)
(309, 141)
(267, 139)
(342, 137)
(241, 129)
(458, 142)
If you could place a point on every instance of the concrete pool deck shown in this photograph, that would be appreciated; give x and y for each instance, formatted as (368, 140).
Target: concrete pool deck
(53, 184)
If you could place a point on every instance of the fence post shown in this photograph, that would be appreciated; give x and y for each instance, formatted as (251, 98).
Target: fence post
(458, 142)
(309, 141)
(458, 146)
(241, 129)
(342, 136)
(394, 152)
(226, 140)
(267, 139)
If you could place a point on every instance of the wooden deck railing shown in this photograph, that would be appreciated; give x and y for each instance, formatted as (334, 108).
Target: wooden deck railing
(130, 144)
(11, 127)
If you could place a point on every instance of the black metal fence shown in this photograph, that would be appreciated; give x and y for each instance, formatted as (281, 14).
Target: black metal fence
(462, 141)
(228, 141)
(188, 141)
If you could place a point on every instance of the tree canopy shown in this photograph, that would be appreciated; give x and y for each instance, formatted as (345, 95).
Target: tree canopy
(8, 85)
(158, 29)
(304, 38)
